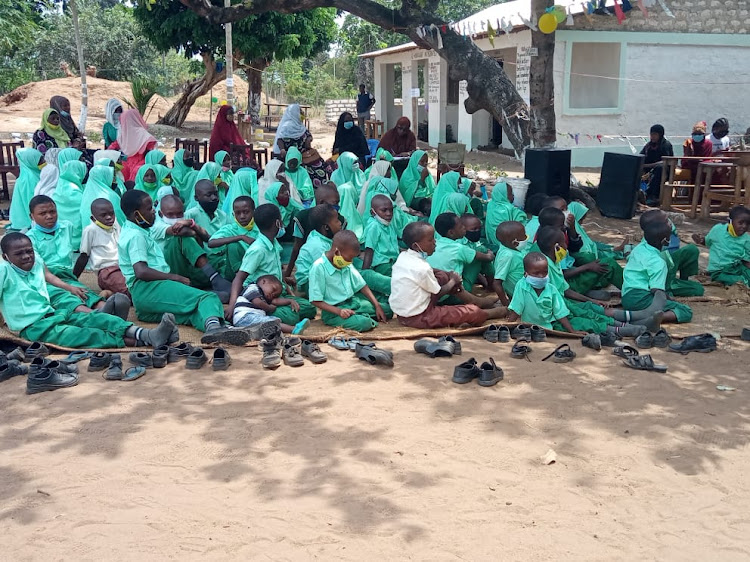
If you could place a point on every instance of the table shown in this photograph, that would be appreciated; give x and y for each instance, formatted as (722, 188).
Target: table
(669, 182)
(304, 109)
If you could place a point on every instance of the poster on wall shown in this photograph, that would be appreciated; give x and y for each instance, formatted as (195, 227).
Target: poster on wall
(523, 66)
(434, 82)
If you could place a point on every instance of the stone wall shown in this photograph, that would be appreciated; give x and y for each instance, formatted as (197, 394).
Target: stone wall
(334, 109)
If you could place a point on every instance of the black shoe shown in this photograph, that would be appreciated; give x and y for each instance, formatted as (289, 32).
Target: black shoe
(521, 332)
(177, 352)
(503, 334)
(17, 354)
(141, 359)
(160, 356)
(456, 344)
(744, 336)
(538, 334)
(662, 338)
(645, 340)
(228, 335)
(466, 372)
(39, 363)
(99, 361)
(47, 379)
(196, 359)
(36, 349)
(114, 372)
(491, 334)
(702, 343)
(12, 369)
(490, 374)
(221, 360)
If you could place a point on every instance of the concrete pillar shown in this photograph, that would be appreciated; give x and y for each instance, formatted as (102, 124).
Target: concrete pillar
(409, 82)
(465, 121)
(380, 91)
(437, 98)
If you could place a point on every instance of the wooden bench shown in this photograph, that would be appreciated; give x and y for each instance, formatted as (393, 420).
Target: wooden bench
(9, 164)
(671, 184)
(193, 147)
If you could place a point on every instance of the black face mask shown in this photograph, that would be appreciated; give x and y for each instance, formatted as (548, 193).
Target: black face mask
(473, 235)
(209, 206)
(189, 162)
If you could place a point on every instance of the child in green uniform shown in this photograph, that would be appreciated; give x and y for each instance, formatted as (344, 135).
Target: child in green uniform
(207, 213)
(232, 240)
(590, 246)
(380, 237)
(509, 259)
(532, 207)
(340, 292)
(536, 300)
(26, 307)
(500, 209)
(181, 241)
(263, 257)
(472, 240)
(729, 249)
(646, 275)
(324, 220)
(154, 288)
(450, 253)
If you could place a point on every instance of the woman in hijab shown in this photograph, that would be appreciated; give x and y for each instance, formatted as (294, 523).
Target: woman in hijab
(655, 150)
(291, 131)
(134, 141)
(349, 172)
(501, 209)
(350, 138)
(318, 169)
(297, 174)
(183, 174)
(30, 161)
(225, 133)
(100, 185)
(50, 174)
(68, 196)
(61, 104)
(245, 182)
(50, 134)
(400, 141)
(416, 182)
(696, 145)
(278, 194)
(112, 114)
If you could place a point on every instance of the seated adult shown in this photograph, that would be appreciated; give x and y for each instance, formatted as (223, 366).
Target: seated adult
(112, 114)
(50, 134)
(696, 145)
(62, 106)
(350, 138)
(225, 133)
(291, 131)
(655, 150)
(134, 141)
(719, 136)
(400, 141)
(318, 169)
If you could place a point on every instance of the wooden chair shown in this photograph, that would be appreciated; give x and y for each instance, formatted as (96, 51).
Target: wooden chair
(261, 157)
(242, 156)
(736, 192)
(9, 164)
(193, 147)
(451, 158)
(676, 191)
(375, 129)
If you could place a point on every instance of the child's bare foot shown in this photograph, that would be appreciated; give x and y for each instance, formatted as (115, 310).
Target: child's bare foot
(620, 247)
(699, 239)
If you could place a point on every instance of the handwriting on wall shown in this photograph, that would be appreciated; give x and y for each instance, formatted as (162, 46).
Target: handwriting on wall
(434, 88)
(523, 66)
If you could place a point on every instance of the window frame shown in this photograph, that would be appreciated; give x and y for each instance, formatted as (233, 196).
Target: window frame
(567, 110)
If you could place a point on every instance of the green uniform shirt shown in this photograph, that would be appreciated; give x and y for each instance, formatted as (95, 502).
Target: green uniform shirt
(56, 250)
(263, 257)
(315, 247)
(556, 276)
(541, 309)
(451, 255)
(136, 245)
(232, 229)
(383, 240)
(646, 269)
(23, 298)
(532, 227)
(204, 221)
(725, 250)
(508, 268)
(332, 285)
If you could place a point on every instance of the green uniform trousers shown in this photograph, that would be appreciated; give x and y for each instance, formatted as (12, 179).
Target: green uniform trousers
(472, 271)
(94, 330)
(685, 262)
(228, 258)
(737, 273)
(379, 283)
(61, 299)
(189, 305)
(288, 316)
(181, 253)
(589, 280)
(365, 318)
(587, 317)
(639, 299)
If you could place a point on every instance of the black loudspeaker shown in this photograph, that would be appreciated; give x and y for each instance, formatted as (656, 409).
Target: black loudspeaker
(619, 184)
(549, 171)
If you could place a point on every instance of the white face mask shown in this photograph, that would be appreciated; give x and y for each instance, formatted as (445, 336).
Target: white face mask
(171, 222)
(567, 214)
(380, 219)
(521, 244)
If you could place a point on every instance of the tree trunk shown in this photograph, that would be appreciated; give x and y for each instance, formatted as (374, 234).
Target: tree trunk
(254, 73)
(365, 73)
(191, 91)
(542, 83)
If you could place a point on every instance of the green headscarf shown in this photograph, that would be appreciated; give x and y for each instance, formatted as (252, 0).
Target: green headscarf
(183, 177)
(449, 183)
(382, 154)
(288, 212)
(500, 209)
(300, 177)
(209, 171)
(99, 186)
(411, 185)
(154, 157)
(140, 182)
(227, 176)
(68, 155)
(457, 203)
(245, 182)
(347, 173)
(348, 199)
(579, 210)
(23, 191)
(68, 196)
(61, 137)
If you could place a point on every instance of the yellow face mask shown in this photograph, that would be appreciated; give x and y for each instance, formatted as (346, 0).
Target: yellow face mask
(248, 226)
(217, 181)
(731, 230)
(103, 226)
(118, 166)
(42, 165)
(560, 254)
(339, 262)
(167, 181)
(53, 127)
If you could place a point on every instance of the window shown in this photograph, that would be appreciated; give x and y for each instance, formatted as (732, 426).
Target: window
(452, 91)
(594, 76)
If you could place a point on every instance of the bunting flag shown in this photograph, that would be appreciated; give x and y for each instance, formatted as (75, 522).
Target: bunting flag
(619, 14)
(569, 20)
(642, 8)
(667, 11)
(490, 33)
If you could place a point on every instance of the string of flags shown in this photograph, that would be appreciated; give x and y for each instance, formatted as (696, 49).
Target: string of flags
(547, 22)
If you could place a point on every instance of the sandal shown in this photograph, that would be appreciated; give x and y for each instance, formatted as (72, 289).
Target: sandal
(644, 363)
(134, 373)
(563, 354)
(353, 343)
(625, 351)
(521, 350)
(75, 357)
(339, 343)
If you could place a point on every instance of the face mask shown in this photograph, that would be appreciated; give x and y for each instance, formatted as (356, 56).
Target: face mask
(21, 272)
(42, 165)
(380, 219)
(116, 117)
(46, 230)
(521, 244)
(103, 226)
(473, 235)
(281, 232)
(141, 221)
(225, 168)
(53, 127)
(248, 226)
(560, 254)
(209, 206)
(720, 134)
(731, 230)
(171, 222)
(566, 214)
(537, 282)
(339, 262)
(355, 166)
(699, 138)
(336, 207)
(217, 181)
(118, 166)
(348, 124)
(420, 168)
(64, 113)
(188, 162)
(149, 184)
(167, 181)
(422, 253)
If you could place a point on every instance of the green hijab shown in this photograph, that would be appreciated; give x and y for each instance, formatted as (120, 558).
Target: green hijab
(348, 173)
(154, 157)
(227, 176)
(67, 155)
(411, 185)
(457, 203)
(140, 182)
(68, 196)
(61, 137)
(288, 212)
(183, 177)
(300, 177)
(99, 186)
(449, 183)
(28, 161)
(579, 210)
(245, 182)
(382, 154)
(500, 209)
(348, 199)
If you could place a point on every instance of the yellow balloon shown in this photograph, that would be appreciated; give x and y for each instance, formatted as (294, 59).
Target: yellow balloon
(547, 23)
(223, 102)
(560, 14)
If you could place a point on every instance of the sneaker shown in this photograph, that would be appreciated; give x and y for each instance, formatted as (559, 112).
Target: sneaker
(521, 332)
(702, 343)
(538, 334)
(489, 373)
(221, 359)
(114, 372)
(17, 354)
(36, 349)
(99, 361)
(160, 356)
(491, 334)
(503, 334)
(662, 338)
(177, 352)
(466, 372)
(47, 379)
(11, 369)
(272, 349)
(313, 353)
(196, 359)
(291, 353)
(141, 359)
